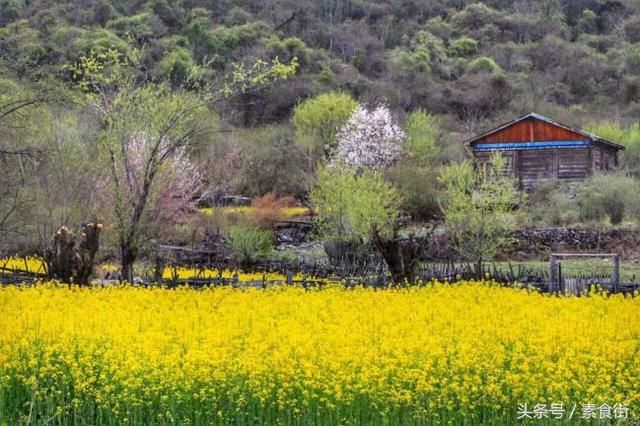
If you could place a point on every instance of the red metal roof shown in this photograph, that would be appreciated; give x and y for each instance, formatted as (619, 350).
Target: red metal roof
(502, 133)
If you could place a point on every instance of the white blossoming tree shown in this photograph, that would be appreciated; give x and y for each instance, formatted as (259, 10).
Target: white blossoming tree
(178, 181)
(370, 139)
(354, 203)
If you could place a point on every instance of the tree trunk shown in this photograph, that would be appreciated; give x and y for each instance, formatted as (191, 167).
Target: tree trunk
(159, 269)
(401, 256)
(479, 269)
(87, 251)
(71, 264)
(60, 255)
(128, 257)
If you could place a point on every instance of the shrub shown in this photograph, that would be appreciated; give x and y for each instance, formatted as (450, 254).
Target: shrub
(268, 209)
(317, 122)
(553, 204)
(464, 46)
(484, 64)
(478, 208)
(249, 244)
(177, 66)
(609, 195)
(629, 137)
(270, 162)
(632, 61)
(350, 205)
(425, 54)
(419, 188)
(423, 134)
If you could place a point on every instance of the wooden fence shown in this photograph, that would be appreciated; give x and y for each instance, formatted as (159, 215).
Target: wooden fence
(370, 274)
(580, 283)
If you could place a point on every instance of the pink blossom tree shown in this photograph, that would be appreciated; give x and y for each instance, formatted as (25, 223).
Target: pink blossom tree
(179, 181)
(370, 139)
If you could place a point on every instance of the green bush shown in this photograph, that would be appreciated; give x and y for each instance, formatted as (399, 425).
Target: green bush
(419, 188)
(629, 137)
(425, 54)
(632, 60)
(484, 64)
(137, 26)
(478, 208)
(554, 204)
(287, 49)
(464, 46)
(609, 195)
(350, 204)
(249, 244)
(423, 135)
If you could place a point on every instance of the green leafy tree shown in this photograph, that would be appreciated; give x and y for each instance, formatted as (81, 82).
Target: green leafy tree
(612, 195)
(350, 206)
(464, 46)
(484, 64)
(179, 68)
(25, 152)
(425, 55)
(271, 162)
(478, 208)
(317, 122)
(423, 136)
(628, 136)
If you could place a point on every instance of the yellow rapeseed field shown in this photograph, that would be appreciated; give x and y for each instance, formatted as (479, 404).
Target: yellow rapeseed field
(37, 265)
(182, 272)
(436, 354)
(26, 264)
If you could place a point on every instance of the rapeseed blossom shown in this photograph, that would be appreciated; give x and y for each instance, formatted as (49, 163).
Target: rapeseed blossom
(27, 264)
(440, 353)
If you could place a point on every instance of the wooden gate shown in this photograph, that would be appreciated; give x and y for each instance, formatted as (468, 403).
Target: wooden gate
(577, 285)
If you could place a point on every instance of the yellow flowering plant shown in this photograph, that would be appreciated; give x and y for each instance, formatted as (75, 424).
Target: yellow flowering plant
(466, 353)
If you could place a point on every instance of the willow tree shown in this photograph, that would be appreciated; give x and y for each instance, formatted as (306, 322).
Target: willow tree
(148, 128)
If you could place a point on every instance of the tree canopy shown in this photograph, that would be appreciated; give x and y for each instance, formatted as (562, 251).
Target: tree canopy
(477, 62)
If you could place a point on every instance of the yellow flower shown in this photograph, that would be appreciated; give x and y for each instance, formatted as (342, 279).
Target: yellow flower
(469, 352)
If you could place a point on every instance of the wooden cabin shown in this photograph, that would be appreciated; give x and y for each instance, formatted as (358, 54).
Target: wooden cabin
(537, 149)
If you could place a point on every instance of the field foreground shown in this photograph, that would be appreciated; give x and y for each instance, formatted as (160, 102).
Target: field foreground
(466, 353)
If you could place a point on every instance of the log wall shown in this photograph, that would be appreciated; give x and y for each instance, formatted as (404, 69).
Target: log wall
(531, 167)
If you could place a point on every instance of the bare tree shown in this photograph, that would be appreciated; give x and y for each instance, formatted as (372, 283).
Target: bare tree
(20, 153)
(162, 123)
(16, 160)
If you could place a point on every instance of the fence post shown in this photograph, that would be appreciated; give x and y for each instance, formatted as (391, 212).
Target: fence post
(616, 273)
(158, 273)
(552, 273)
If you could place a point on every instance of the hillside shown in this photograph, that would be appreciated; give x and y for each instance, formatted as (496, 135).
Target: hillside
(477, 63)
(107, 112)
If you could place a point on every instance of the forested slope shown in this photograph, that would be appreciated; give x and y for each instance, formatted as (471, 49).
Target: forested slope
(476, 62)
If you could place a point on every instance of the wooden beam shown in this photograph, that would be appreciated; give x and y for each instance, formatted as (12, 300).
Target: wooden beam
(553, 269)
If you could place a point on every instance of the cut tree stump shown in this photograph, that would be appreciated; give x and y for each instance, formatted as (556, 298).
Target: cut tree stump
(69, 263)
